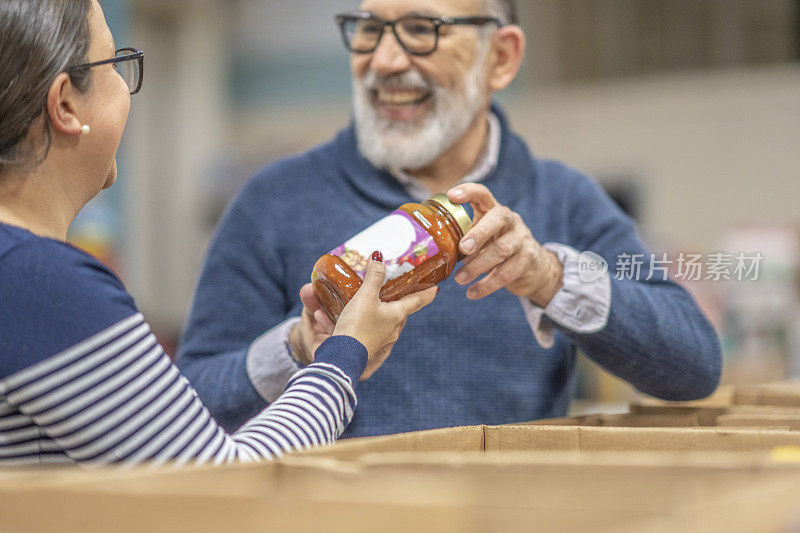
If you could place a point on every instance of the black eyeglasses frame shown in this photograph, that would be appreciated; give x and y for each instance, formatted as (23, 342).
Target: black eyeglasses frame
(438, 22)
(134, 55)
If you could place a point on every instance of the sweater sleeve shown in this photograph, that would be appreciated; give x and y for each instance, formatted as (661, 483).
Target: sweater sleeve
(239, 298)
(115, 397)
(656, 337)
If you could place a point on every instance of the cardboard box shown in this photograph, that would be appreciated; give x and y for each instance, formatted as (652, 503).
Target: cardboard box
(437, 492)
(537, 438)
(689, 419)
(777, 394)
(687, 476)
(769, 418)
(710, 416)
(782, 394)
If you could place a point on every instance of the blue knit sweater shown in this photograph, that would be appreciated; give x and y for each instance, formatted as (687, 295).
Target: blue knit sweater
(457, 362)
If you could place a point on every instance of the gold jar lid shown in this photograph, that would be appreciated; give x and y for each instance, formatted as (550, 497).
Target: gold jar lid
(458, 212)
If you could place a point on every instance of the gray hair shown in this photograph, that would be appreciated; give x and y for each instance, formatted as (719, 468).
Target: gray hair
(505, 10)
(39, 39)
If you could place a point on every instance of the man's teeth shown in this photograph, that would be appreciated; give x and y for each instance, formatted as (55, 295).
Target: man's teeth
(401, 97)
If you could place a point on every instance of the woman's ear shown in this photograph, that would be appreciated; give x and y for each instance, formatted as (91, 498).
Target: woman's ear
(508, 49)
(62, 106)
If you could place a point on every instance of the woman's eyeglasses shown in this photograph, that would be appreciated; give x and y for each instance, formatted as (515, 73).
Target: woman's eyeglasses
(129, 64)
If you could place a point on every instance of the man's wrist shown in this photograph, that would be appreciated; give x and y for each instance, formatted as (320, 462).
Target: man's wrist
(545, 293)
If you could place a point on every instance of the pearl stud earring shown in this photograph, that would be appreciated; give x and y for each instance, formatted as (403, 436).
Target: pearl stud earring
(85, 129)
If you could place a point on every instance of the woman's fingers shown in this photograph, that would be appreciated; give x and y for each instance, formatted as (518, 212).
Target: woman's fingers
(374, 323)
(414, 302)
(373, 278)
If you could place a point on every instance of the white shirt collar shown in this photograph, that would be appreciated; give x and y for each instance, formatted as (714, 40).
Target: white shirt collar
(485, 165)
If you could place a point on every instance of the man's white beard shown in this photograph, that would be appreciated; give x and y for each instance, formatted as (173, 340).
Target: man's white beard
(400, 145)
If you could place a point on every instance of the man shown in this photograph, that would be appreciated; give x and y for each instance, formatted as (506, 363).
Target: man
(501, 351)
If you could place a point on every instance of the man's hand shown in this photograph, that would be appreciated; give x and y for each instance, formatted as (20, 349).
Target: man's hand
(501, 246)
(313, 329)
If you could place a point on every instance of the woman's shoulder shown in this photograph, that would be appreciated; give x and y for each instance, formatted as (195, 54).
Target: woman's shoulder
(54, 296)
(24, 255)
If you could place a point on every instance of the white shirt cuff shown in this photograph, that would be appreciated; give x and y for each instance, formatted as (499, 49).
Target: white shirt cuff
(270, 365)
(581, 305)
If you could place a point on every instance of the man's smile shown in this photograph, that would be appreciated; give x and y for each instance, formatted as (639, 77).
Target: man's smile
(401, 103)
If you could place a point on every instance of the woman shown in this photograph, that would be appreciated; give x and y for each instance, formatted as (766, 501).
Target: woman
(82, 379)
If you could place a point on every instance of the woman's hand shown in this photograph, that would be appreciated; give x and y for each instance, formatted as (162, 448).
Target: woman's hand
(376, 324)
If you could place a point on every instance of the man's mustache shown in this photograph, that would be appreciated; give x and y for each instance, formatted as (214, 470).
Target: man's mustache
(407, 80)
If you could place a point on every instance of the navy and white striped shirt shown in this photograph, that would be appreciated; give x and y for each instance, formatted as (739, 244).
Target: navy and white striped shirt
(82, 378)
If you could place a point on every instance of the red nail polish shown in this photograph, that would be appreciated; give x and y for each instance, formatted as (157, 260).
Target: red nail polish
(377, 256)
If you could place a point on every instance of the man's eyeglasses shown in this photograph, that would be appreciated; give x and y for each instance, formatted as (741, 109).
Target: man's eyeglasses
(418, 35)
(128, 62)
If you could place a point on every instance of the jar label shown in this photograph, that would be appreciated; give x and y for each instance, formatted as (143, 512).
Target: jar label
(401, 239)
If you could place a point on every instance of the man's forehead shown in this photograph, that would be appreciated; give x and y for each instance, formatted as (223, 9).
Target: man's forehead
(397, 8)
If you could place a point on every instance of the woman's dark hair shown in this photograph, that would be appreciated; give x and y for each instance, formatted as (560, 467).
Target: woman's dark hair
(39, 39)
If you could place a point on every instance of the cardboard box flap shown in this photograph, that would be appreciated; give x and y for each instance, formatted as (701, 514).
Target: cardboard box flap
(582, 438)
(685, 419)
(790, 421)
(457, 439)
(709, 416)
(779, 394)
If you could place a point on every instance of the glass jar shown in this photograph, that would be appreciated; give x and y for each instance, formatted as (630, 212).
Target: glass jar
(419, 243)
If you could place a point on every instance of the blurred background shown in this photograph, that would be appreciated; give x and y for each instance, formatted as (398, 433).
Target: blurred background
(687, 111)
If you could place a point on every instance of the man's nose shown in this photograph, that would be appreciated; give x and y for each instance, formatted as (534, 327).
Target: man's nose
(389, 57)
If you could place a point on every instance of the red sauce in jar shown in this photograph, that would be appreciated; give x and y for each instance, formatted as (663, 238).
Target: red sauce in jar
(419, 243)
